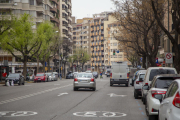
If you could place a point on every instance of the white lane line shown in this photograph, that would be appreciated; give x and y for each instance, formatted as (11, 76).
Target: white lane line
(33, 94)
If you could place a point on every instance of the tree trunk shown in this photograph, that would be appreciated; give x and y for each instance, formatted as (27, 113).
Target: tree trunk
(152, 60)
(43, 66)
(144, 61)
(37, 65)
(48, 65)
(65, 69)
(177, 58)
(24, 69)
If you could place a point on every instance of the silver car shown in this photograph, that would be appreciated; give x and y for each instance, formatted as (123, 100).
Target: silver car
(84, 80)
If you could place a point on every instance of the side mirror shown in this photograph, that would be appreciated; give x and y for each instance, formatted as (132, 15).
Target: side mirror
(145, 87)
(159, 97)
(141, 79)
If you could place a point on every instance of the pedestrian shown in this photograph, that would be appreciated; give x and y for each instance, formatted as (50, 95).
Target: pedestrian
(101, 75)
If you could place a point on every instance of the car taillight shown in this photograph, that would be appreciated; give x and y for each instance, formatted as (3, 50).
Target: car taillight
(137, 82)
(75, 79)
(156, 92)
(110, 74)
(176, 101)
(92, 79)
(127, 75)
(146, 83)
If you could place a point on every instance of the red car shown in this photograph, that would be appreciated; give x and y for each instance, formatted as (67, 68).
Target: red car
(40, 77)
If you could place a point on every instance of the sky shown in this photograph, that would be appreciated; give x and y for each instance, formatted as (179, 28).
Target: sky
(86, 8)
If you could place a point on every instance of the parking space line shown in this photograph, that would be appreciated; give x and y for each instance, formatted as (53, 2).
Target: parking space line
(33, 94)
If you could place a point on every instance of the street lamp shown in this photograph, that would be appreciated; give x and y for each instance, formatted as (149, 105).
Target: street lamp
(59, 57)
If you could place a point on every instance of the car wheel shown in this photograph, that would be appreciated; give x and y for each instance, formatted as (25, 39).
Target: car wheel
(127, 85)
(144, 102)
(111, 84)
(23, 83)
(94, 89)
(146, 110)
(152, 117)
(75, 89)
(135, 95)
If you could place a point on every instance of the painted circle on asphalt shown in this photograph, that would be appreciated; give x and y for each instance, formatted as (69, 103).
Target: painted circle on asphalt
(99, 114)
(16, 113)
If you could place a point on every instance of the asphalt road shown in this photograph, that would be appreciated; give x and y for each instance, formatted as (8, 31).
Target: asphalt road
(57, 101)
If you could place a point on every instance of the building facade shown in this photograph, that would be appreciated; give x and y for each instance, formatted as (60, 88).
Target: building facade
(57, 11)
(81, 37)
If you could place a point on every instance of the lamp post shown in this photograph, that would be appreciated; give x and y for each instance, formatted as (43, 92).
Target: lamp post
(59, 58)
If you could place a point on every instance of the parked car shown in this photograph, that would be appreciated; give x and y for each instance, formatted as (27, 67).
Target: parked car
(49, 76)
(170, 106)
(40, 77)
(131, 75)
(16, 77)
(138, 83)
(158, 86)
(75, 74)
(55, 76)
(95, 74)
(69, 76)
(119, 73)
(150, 73)
(88, 71)
(84, 80)
(108, 73)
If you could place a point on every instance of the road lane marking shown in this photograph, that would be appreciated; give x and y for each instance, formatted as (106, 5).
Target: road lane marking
(33, 94)
(16, 113)
(63, 94)
(114, 95)
(99, 114)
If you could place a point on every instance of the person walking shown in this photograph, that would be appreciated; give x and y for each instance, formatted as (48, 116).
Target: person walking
(100, 74)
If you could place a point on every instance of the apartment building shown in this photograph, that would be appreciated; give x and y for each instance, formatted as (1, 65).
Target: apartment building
(97, 41)
(57, 11)
(81, 36)
(112, 45)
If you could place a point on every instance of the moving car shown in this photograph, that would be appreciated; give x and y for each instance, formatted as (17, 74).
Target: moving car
(16, 77)
(138, 83)
(55, 76)
(69, 76)
(95, 74)
(84, 80)
(119, 73)
(49, 76)
(159, 86)
(150, 73)
(170, 106)
(108, 73)
(40, 77)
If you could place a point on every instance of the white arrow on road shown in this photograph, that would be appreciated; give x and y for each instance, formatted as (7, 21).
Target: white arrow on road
(114, 95)
(62, 94)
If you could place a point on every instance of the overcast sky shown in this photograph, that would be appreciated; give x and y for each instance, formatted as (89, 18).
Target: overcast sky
(86, 8)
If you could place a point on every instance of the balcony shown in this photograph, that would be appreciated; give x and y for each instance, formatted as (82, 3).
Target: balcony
(53, 10)
(69, 25)
(93, 54)
(7, 5)
(92, 29)
(64, 19)
(48, 3)
(55, 20)
(54, 1)
(92, 24)
(96, 43)
(95, 38)
(99, 33)
(39, 9)
(96, 33)
(92, 39)
(39, 19)
(100, 53)
(96, 53)
(102, 38)
(102, 48)
(102, 27)
(97, 28)
(69, 18)
(96, 64)
(47, 12)
(92, 59)
(65, 11)
(65, 3)
(99, 43)
(93, 64)
(69, 10)
(69, 3)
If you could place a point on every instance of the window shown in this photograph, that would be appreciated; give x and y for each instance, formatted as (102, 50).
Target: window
(114, 44)
(173, 90)
(31, 2)
(111, 44)
(111, 50)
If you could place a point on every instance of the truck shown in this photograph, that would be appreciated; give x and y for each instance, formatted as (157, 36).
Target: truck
(119, 73)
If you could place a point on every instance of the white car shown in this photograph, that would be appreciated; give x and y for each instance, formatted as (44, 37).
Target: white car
(138, 83)
(158, 87)
(170, 105)
(150, 73)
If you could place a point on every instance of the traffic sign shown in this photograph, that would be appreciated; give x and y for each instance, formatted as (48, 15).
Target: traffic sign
(169, 57)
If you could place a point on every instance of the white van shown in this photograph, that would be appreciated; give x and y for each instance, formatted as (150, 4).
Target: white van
(119, 73)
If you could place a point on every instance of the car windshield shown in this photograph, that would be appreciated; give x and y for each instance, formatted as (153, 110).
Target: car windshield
(160, 71)
(142, 76)
(84, 75)
(94, 72)
(48, 74)
(13, 75)
(164, 82)
(40, 75)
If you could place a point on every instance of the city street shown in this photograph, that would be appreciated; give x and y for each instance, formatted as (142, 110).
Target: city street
(57, 101)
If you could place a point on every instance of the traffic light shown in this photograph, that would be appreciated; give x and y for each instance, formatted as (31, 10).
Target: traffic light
(114, 52)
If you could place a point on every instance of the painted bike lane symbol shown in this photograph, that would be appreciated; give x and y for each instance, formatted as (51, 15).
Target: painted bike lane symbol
(16, 113)
(99, 114)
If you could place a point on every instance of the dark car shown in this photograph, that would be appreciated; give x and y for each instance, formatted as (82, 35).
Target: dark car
(16, 77)
(69, 76)
(95, 74)
(108, 73)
